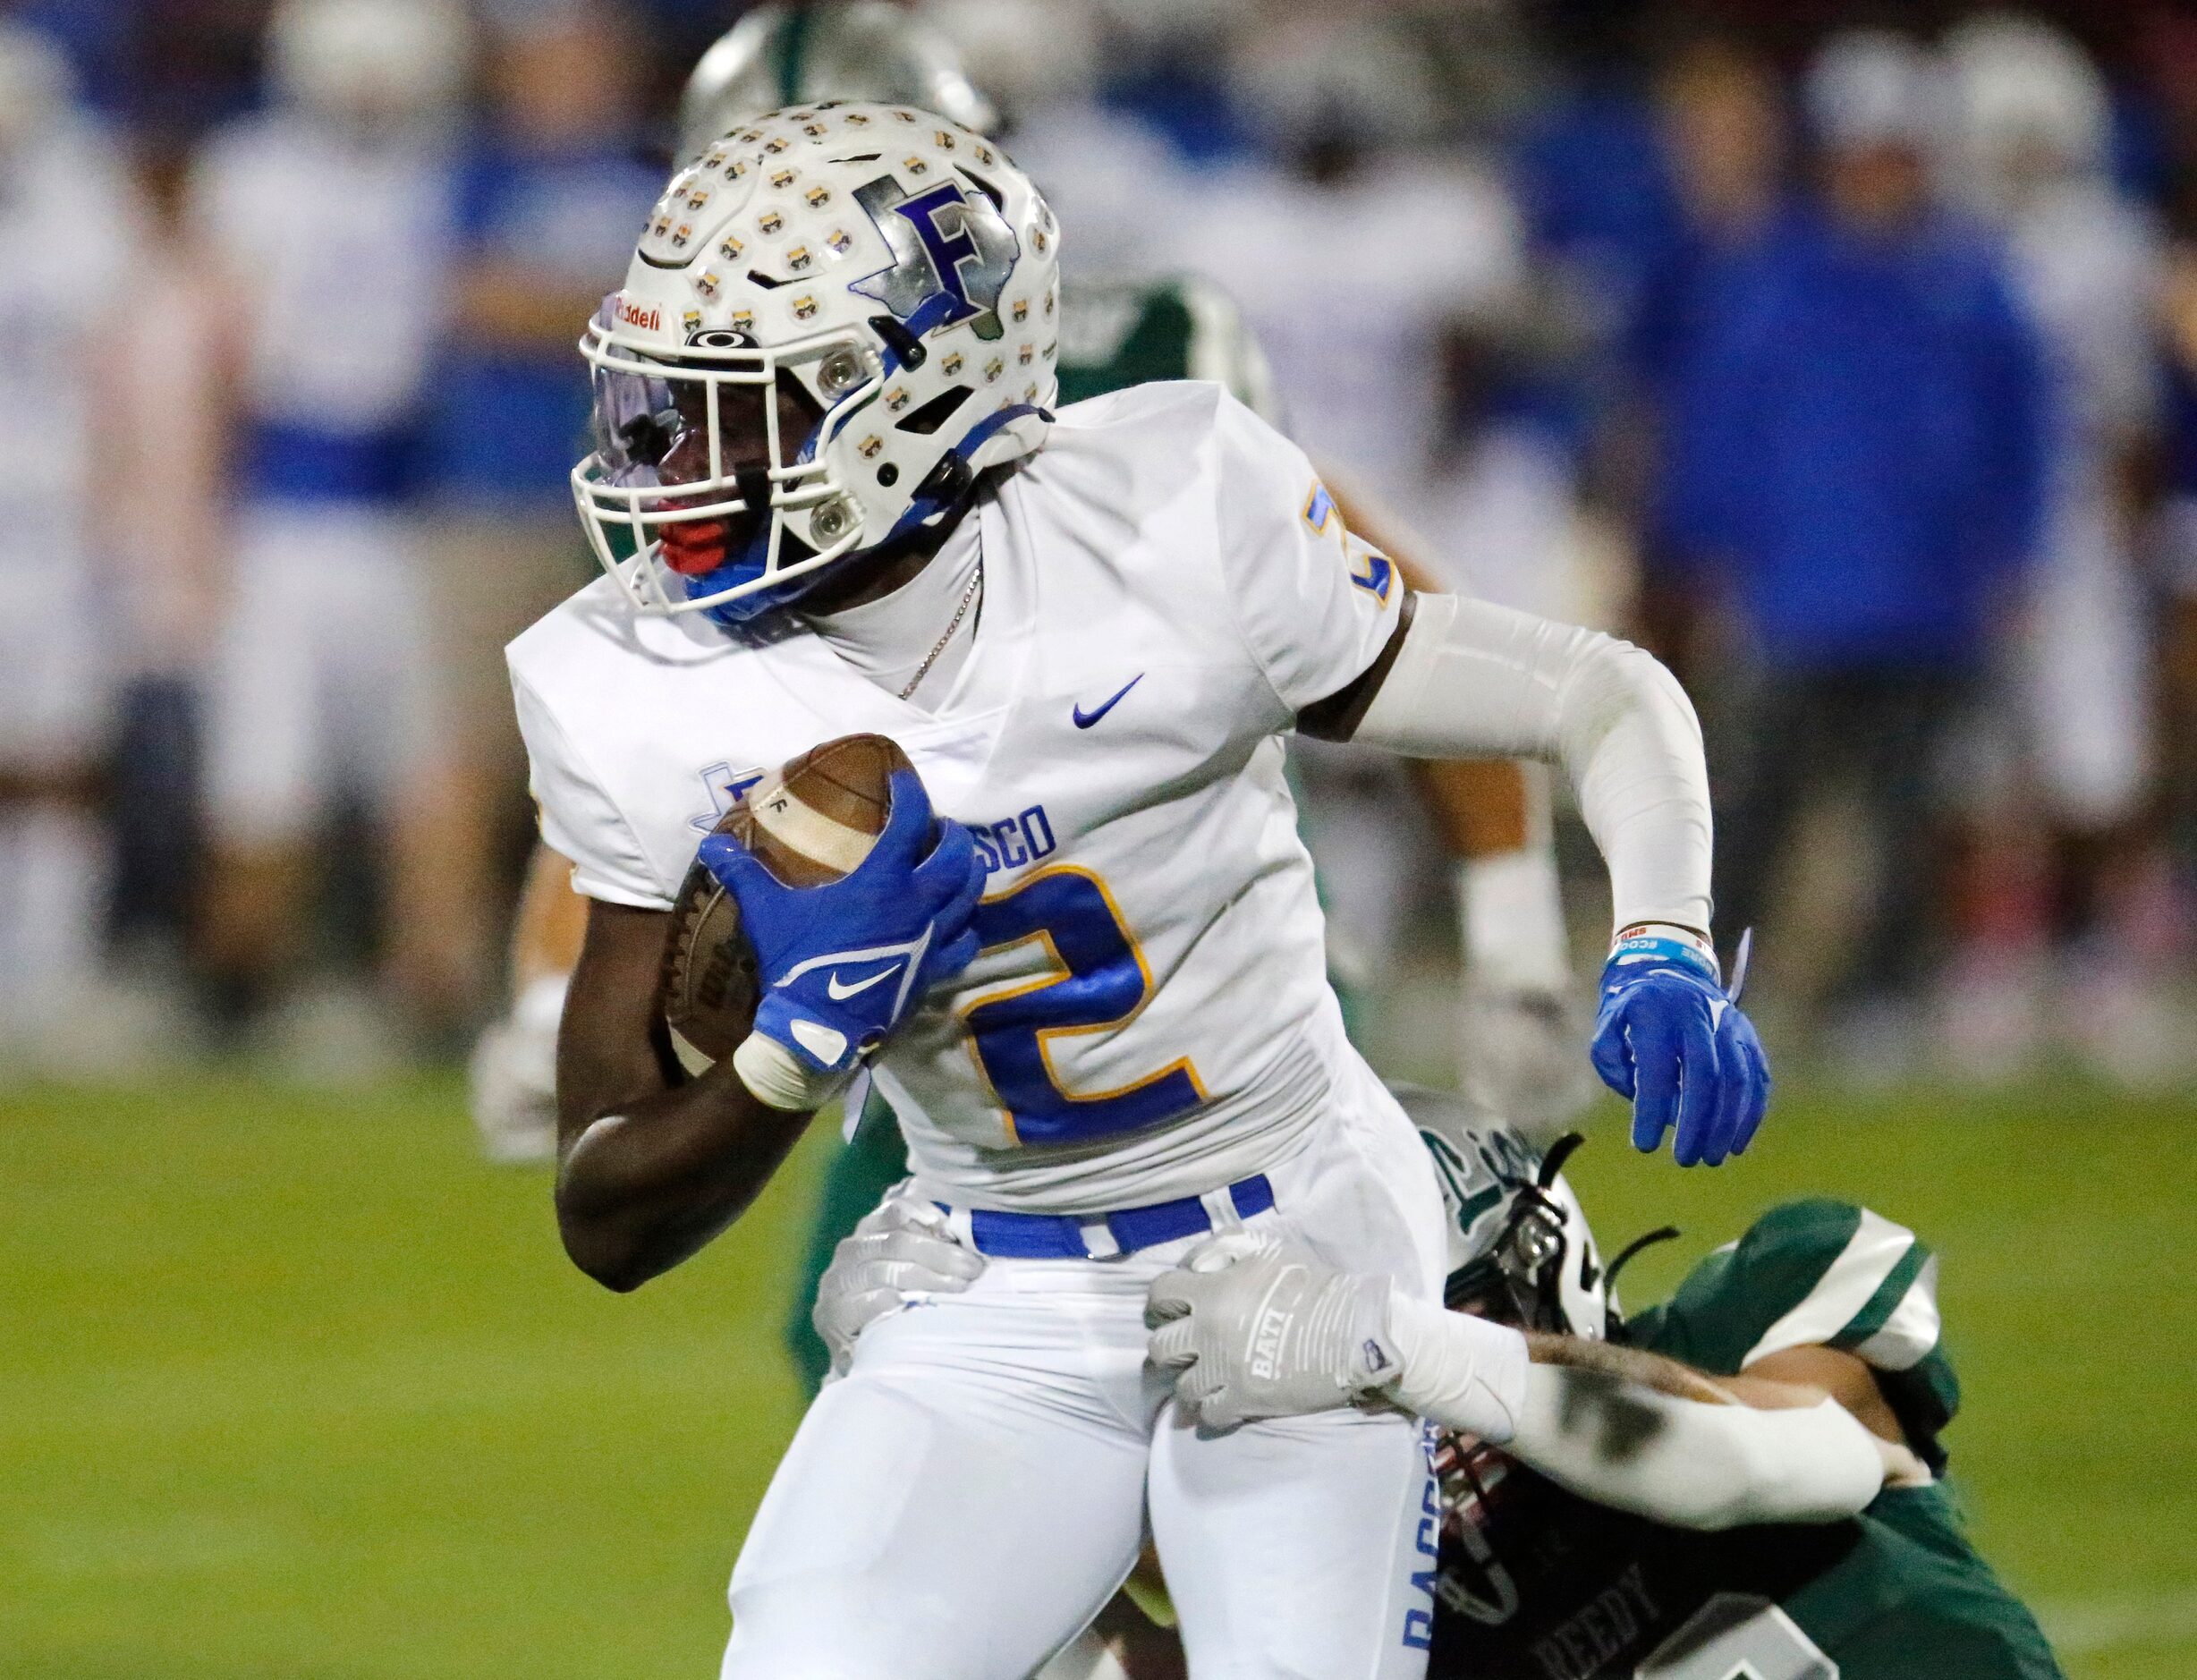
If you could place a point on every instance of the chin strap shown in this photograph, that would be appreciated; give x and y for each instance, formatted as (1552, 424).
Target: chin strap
(947, 486)
(956, 474)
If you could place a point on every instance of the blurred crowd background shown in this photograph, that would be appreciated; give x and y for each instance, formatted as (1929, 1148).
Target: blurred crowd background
(1844, 356)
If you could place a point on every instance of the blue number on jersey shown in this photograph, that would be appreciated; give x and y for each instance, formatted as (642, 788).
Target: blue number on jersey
(1101, 982)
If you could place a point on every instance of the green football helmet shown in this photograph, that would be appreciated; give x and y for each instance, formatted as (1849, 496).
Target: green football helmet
(1520, 1247)
(863, 51)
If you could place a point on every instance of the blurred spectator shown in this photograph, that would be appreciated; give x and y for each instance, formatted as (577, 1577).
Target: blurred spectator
(1352, 243)
(1594, 179)
(163, 374)
(331, 217)
(551, 196)
(1722, 128)
(2030, 154)
(67, 236)
(1857, 465)
(1167, 65)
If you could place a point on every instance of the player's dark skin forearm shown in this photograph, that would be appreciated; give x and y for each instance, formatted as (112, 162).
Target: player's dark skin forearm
(651, 1165)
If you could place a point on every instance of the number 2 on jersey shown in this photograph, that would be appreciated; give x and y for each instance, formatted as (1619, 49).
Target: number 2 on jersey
(1099, 981)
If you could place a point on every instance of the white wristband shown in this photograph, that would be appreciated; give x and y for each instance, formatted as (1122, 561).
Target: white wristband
(1510, 921)
(778, 1079)
(1462, 1372)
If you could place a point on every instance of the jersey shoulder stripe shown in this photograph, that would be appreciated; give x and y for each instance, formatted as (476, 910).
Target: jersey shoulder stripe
(1855, 1286)
(1820, 1273)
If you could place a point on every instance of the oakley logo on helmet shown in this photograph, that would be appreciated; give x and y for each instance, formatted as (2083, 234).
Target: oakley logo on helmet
(952, 253)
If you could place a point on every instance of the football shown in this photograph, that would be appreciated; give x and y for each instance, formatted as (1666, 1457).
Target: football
(810, 822)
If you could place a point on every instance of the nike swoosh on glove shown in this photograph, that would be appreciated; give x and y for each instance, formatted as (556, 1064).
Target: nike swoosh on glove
(1670, 1038)
(843, 963)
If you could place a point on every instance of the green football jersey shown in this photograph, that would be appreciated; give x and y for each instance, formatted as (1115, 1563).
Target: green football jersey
(1536, 1581)
(1114, 334)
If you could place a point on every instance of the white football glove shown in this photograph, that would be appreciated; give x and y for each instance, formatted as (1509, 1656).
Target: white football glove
(1521, 1029)
(901, 1254)
(1520, 1055)
(1255, 1329)
(513, 1078)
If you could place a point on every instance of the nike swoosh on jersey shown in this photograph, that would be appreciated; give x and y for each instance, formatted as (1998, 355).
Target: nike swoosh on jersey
(839, 992)
(1085, 719)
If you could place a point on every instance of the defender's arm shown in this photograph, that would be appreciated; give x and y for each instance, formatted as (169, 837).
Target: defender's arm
(1621, 1428)
(1642, 1433)
(651, 1165)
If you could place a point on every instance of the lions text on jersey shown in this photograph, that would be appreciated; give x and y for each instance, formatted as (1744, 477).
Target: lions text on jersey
(1166, 585)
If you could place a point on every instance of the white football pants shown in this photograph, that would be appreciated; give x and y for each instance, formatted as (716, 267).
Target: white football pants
(962, 1502)
(325, 678)
(2086, 662)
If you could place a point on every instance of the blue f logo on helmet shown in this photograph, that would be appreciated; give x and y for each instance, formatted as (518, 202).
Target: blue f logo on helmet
(952, 253)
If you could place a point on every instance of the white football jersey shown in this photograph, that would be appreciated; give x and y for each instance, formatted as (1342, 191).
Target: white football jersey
(68, 235)
(342, 254)
(1166, 585)
(1355, 368)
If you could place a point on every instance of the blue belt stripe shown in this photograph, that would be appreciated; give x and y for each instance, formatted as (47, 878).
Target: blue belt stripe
(1060, 1235)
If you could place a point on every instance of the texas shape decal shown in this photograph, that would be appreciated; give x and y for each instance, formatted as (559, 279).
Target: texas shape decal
(952, 252)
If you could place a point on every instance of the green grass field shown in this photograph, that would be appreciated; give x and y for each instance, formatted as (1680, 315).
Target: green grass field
(294, 1387)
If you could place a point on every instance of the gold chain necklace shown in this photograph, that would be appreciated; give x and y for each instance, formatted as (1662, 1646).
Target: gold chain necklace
(968, 596)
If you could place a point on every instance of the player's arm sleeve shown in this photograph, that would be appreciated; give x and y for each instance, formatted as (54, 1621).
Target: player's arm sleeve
(1690, 1462)
(580, 821)
(1472, 679)
(1821, 1273)
(1314, 605)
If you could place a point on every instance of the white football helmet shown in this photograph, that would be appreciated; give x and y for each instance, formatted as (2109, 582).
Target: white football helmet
(779, 56)
(1518, 1241)
(2032, 109)
(835, 319)
(369, 62)
(1869, 87)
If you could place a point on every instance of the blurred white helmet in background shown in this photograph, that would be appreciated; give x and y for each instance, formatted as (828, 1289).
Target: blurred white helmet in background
(1157, 26)
(835, 319)
(1356, 79)
(36, 83)
(2030, 106)
(780, 55)
(370, 62)
(1024, 54)
(1869, 87)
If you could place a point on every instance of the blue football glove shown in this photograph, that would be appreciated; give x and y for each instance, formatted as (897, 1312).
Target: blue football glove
(841, 963)
(1672, 1041)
